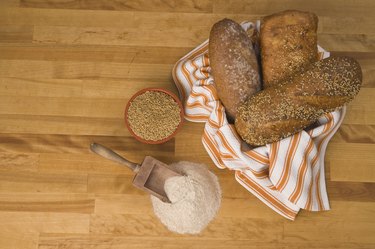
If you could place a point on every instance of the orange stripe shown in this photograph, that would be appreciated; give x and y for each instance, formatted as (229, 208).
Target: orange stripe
(270, 199)
(197, 94)
(257, 157)
(204, 50)
(273, 152)
(195, 54)
(198, 104)
(272, 187)
(285, 159)
(213, 124)
(196, 116)
(212, 148)
(320, 202)
(203, 70)
(186, 73)
(206, 61)
(327, 126)
(309, 197)
(290, 157)
(234, 132)
(196, 69)
(301, 173)
(212, 90)
(222, 155)
(260, 174)
(199, 69)
(226, 144)
(220, 115)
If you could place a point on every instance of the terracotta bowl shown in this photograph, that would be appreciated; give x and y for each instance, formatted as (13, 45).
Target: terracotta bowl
(156, 90)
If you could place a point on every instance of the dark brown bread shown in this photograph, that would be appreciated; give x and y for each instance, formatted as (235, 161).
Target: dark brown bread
(233, 65)
(288, 43)
(280, 111)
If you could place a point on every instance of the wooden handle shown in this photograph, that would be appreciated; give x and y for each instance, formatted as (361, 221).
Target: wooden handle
(111, 155)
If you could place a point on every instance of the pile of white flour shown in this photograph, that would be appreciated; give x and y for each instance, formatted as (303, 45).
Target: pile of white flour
(195, 199)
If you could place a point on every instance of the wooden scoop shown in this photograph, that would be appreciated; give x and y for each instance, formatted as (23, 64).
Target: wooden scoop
(150, 175)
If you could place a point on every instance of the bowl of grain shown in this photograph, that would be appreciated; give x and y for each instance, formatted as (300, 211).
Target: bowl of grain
(154, 115)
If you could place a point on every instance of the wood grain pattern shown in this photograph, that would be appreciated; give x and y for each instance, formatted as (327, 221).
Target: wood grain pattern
(67, 69)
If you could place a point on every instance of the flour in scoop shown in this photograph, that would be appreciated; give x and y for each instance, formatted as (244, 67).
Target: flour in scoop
(195, 199)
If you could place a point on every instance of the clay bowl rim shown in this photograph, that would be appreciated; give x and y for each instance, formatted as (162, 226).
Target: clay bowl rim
(155, 89)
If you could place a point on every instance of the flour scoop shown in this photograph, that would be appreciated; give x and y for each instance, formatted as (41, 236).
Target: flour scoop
(150, 175)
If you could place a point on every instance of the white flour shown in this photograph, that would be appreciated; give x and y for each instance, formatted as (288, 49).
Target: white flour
(195, 198)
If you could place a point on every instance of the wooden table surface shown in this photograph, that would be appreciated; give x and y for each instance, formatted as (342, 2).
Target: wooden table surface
(67, 69)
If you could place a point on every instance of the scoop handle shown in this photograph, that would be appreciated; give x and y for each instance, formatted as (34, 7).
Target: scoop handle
(113, 156)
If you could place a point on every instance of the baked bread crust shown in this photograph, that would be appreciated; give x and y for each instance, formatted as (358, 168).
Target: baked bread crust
(233, 65)
(283, 110)
(288, 43)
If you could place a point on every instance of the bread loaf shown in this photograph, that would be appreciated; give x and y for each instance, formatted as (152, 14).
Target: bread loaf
(233, 65)
(280, 111)
(288, 43)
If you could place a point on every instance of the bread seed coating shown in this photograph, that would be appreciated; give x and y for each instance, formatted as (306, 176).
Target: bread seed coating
(280, 111)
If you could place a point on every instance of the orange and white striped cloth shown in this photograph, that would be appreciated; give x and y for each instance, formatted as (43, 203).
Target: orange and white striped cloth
(287, 175)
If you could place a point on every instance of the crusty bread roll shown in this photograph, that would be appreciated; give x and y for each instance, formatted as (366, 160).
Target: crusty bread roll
(234, 65)
(288, 43)
(280, 111)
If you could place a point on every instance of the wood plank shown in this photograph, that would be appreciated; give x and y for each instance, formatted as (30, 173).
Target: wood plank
(149, 225)
(15, 162)
(17, 34)
(82, 241)
(46, 202)
(82, 88)
(353, 165)
(172, 38)
(346, 211)
(353, 232)
(320, 7)
(94, 164)
(151, 20)
(63, 106)
(352, 133)
(112, 184)
(125, 36)
(32, 222)
(9, 3)
(37, 182)
(351, 191)
(122, 204)
(15, 240)
(359, 110)
(246, 208)
(45, 124)
(65, 144)
(97, 53)
(141, 204)
(347, 42)
(83, 70)
(158, 5)
(105, 18)
(346, 24)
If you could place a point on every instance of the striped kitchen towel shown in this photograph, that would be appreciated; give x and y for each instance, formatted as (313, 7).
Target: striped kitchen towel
(287, 175)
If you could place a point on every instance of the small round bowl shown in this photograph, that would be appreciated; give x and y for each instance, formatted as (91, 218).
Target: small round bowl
(156, 90)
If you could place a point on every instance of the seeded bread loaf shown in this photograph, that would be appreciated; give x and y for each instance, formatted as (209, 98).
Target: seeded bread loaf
(280, 111)
(288, 43)
(234, 65)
